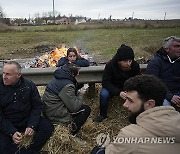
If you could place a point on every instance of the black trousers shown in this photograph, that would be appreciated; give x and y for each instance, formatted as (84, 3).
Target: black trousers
(98, 150)
(42, 134)
(79, 118)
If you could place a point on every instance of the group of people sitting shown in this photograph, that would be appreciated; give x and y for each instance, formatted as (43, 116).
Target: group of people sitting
(148, 98)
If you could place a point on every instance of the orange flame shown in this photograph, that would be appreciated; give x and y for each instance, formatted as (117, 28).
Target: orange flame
(52, 58)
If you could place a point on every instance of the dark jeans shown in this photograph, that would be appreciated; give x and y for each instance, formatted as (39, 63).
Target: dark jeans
(80, 118)
(42, 134)
(105, 96)
(98, 150)
(167, 103)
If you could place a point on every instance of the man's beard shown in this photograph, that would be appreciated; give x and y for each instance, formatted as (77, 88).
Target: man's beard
(133, 116)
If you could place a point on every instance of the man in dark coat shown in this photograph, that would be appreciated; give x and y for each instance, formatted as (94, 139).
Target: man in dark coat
(120, 68)
(166, 66)
(20, 111)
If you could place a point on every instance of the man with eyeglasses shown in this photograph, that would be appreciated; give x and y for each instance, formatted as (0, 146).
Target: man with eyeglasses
(166, 66)
(20, 113)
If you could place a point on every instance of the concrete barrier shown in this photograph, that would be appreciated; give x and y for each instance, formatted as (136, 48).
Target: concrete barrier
(90, 75)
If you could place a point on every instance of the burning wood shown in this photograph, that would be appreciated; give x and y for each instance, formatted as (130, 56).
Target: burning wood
(51, 59)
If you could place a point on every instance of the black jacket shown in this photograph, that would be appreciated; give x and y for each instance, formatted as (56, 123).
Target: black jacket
(113, 77)
(20, 106)
(81, 62)
(169, 73)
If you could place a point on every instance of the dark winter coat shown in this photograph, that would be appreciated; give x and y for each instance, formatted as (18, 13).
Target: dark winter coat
(81, 62)
(113, 77)
(169, 73)
(20, 106)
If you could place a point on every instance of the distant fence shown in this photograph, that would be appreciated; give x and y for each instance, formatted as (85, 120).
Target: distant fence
(90, 75)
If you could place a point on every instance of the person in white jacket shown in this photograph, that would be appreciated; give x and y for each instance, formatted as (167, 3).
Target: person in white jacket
(154, 129)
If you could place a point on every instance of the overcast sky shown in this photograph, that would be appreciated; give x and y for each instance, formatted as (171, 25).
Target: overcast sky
(119, 9)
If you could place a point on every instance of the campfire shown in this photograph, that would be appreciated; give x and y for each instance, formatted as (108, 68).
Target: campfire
(52, 56)
(51, 59)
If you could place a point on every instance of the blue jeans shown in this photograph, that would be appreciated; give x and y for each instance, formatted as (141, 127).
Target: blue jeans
(167, 103)
(105, 96)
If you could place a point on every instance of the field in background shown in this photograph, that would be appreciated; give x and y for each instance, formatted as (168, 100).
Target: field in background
(100, 39)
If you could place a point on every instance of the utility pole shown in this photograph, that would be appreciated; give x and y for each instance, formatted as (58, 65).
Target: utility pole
(53, 12)
(98, 16)
(133, 15)
(165, 16)
(29, 19)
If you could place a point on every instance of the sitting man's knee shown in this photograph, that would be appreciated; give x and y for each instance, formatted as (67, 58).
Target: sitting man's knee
(3, 146)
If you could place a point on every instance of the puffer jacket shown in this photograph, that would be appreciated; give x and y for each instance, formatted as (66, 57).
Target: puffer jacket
(61, 97)
(20, 106)
(113, 77)
(81, 62)
(169, 73)
(159, 122)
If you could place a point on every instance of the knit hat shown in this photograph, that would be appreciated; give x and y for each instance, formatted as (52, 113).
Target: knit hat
(124, 53)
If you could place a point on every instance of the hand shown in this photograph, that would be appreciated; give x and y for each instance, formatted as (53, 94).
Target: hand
(17, 137)
(83, 91)
(29, 132)
(176, 100)
(123, 95)
(71, 61)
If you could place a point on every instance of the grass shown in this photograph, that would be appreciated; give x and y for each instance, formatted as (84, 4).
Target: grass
(101, 42)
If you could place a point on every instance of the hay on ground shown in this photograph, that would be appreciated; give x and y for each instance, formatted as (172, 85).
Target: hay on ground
(62, 142)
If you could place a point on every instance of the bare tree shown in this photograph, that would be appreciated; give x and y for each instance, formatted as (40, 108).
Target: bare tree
(2, 15)
(3, 19)
(38, 20)
(37, 15)
(50, 14)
